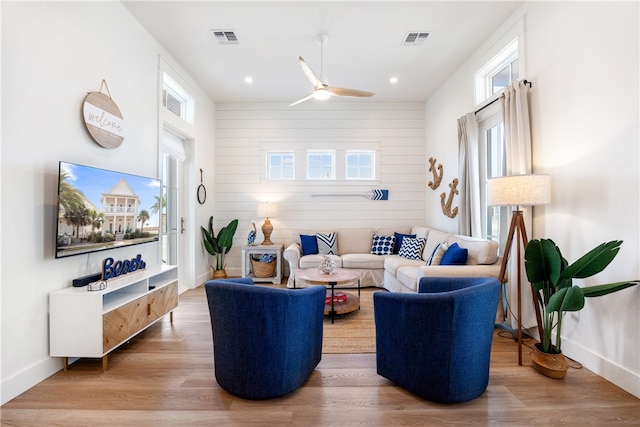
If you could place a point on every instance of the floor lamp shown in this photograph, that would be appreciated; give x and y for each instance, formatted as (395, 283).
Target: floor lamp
(518, 191)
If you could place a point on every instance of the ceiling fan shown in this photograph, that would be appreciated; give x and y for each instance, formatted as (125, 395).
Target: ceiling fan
(321, 90)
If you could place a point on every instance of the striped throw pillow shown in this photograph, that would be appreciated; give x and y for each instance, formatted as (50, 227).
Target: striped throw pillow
(412, 247)
(327, 243)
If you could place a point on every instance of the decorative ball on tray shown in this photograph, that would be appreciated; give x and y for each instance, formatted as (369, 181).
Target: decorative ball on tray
(328, 265)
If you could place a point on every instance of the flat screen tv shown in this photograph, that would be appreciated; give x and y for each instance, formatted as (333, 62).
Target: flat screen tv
(101, 209)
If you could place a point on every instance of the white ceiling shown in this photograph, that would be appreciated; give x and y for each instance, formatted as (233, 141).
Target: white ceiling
(363, 51)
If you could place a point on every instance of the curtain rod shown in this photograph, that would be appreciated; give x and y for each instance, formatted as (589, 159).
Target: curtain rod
(490, 103)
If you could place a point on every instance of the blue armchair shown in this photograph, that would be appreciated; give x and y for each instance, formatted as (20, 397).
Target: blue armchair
(437, 343)
(266, 341)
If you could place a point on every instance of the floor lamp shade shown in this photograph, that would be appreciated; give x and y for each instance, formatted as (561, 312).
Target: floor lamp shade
(266, 211)
(519, 190)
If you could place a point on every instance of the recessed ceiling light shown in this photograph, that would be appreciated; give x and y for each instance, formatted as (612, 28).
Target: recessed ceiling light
(393, 80)
(248, 79)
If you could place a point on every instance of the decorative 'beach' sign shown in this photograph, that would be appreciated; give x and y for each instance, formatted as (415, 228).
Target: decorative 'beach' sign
(103, 119)
(111, 269)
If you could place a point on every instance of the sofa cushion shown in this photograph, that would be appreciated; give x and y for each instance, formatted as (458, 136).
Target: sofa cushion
(297, 233)
(368, 261)
(408, 275)
(420, 231)
(434, 238)
(393, 264)
(437, 254)
(382, 245)
(388, 231)
(309, 244)
(355, 240)
(455, 255)
(313, 261)
(327, 243)
(398, 243)
(480, 251)
(411, 248)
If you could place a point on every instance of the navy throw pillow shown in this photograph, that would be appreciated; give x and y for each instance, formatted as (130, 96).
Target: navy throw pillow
(398, 242)
(455, 255)
(382, 245)
(309, 244)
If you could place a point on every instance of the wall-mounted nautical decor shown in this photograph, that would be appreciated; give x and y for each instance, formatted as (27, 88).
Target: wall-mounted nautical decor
(371, 195)
(201, 191)
(437, 173)
(103, 119)
(446, 205)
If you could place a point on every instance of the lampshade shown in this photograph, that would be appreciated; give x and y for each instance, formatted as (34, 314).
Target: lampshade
(519, 190)
(267, 210)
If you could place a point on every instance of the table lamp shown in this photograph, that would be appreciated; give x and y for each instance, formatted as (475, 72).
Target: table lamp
(267, 210)
(519, 190)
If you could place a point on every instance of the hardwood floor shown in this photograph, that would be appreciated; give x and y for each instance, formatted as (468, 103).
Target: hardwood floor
(164, 377)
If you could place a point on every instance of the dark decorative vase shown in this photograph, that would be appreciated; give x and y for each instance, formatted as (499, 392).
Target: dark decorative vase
(548, 364)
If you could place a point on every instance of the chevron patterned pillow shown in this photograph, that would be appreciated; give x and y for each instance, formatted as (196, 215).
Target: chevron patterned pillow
(327, 243)
(412, 247)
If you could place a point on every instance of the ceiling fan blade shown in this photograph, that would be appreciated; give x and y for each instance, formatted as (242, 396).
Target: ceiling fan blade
(315, 81)
(301, 100)
(348, 92)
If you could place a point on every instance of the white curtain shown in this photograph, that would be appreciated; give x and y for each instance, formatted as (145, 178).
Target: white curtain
(469, 176)
(517, 134)
(172, 145)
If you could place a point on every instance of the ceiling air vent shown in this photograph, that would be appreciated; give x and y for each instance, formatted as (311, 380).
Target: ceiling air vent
(226, 36)
(415, 38)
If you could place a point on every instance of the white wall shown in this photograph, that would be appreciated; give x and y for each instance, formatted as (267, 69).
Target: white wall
(52, 55)
(242, 131)
(583, 60)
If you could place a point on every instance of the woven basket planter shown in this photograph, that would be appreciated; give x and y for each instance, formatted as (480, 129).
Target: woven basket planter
(550, 365)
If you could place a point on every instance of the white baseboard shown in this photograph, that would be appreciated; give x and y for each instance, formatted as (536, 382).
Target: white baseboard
(22, 381)
(607, 369)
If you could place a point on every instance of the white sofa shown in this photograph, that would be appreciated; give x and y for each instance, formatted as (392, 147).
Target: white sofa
(393, 272)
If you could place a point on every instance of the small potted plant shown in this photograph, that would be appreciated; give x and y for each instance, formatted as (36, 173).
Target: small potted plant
(218, 246)
(551, 277)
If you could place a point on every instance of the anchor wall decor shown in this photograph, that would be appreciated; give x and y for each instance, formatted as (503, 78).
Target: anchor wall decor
(446, 206)
(437, 173)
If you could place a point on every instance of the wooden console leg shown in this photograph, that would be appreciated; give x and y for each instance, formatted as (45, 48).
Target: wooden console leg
(105, 362)
(171, 316)
(65, 364)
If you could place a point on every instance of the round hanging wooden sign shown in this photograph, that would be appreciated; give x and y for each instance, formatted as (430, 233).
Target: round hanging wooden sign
(103, 120)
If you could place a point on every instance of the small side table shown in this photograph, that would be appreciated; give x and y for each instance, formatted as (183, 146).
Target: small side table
(340, 276)
(249, 250)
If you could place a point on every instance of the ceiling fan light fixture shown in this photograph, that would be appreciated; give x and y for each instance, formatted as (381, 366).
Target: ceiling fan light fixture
(321, 94)
(321, 90)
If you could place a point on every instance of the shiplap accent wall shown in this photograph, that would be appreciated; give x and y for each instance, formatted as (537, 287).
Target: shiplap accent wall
(244, 132)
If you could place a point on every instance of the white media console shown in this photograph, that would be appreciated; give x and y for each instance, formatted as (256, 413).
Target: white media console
(86, 323)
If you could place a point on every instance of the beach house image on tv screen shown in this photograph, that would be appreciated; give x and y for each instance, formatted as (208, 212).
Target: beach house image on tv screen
(101, 209)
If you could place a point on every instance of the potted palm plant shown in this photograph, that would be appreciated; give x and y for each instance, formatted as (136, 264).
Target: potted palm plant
(551, 277)
(218, 246)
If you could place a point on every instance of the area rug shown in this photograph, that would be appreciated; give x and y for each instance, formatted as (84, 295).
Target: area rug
(352, 333)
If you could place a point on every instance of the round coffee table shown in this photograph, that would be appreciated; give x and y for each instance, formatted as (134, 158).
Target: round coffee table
(340, 276)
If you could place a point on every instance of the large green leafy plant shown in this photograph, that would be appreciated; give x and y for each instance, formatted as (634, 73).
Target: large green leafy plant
(220, 245)
(552, 278)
